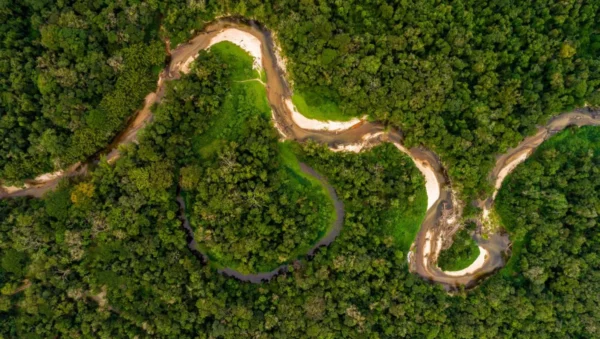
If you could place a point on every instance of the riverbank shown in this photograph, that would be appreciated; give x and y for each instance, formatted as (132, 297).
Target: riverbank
(442, 211)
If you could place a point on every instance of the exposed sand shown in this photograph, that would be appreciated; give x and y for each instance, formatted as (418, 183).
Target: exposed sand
(42, 178)
(185, 67)
(49, 176)
(427, 245)
(354, 148)
(278, 126)
(438, 246)
(317, 125)
(281, 61)
(506, 170)
(245, 40)
(476, 265)
(357, 147)
(486, 213)
(432, 185)
(10, 189)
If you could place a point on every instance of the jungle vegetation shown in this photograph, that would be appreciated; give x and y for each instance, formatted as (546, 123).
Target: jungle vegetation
(69, 78)
(251, 206)
(466, 78)
(462, 252)
(105, 255)
(319, 103)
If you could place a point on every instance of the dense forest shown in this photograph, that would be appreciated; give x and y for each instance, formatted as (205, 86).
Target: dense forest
(250, 205)
(69, 78)
(466, 78)
(105, 255)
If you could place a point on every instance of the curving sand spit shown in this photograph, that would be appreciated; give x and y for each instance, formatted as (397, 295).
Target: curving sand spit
(474, 267)
(432, 185)
(507, 169)
(245, 40)
(317, 125)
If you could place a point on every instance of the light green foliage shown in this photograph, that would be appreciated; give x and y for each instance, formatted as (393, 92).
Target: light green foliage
(246, 97)
(319, 103)
(382, 183)
(237, 61)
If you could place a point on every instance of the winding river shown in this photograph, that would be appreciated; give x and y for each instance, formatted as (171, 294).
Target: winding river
(444, 213)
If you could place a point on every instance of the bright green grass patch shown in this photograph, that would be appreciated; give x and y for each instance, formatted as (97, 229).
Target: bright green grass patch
(238, 61)
(404, 222)
(246, 98)
(319, 103)
(263, 75)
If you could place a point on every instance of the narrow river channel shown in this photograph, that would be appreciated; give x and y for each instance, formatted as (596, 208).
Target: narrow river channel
(444, 213)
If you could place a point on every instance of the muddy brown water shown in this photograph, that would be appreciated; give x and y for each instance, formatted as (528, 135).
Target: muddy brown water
(277, 88)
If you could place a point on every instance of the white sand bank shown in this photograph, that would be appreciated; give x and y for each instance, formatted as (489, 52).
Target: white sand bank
(317, 125)
(507, 169)
(432, 185)
(357, 147)
(245, 40)
(477, 264)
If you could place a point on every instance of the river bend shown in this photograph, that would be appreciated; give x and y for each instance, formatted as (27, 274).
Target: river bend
(444, 213)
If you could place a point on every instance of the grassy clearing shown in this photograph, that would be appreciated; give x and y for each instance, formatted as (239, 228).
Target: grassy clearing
(238, 61)
(403, 223)
(246, 98)
(319, 103)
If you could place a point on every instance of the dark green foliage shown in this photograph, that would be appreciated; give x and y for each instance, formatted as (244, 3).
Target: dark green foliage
(251, 207)
(551, 206)
(251, 211)
(466, 78)
(69, 77)
(106, 256)
(554, 195)
(131, 242)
